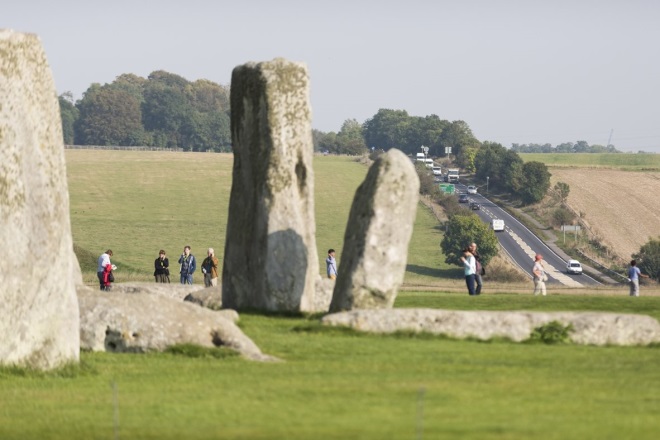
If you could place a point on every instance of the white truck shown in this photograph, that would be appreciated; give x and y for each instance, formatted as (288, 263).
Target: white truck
(452, 175)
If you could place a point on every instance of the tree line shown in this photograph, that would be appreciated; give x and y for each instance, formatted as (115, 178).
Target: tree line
(566, 147)
(162, 110)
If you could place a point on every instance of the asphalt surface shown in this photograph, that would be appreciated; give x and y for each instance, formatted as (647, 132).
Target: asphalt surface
(522, 244)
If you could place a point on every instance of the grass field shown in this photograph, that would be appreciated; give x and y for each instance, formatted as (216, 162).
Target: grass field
(337, 385)
(332, 384)
(137, 203)
(626, 161)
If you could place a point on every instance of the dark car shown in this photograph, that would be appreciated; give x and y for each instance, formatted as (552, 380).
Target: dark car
(463, 198)
(475, 206)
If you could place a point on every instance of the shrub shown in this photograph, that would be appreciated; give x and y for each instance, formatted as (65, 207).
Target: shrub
(562, 216)
(554, 332)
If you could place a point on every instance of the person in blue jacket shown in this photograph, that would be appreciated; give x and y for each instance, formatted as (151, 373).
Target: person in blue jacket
(188, 266)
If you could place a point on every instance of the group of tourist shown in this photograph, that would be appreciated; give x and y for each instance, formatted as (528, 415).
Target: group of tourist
(473, 270)
(187, 262)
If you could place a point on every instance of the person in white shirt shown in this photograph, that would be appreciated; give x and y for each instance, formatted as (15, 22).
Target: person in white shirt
(470, 270)
(103, 269)
(538, 271)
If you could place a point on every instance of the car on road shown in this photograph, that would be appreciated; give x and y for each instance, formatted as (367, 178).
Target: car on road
(437, 171)
(475, 206)
(574, 267)
(463, 198)
(472, 189)
(497, 224)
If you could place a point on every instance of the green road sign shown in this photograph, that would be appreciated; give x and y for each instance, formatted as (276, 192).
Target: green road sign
(447, 188)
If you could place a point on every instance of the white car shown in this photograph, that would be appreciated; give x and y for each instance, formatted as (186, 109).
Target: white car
(472, 189)
(574, 267)
(437, 171)
(497, 224)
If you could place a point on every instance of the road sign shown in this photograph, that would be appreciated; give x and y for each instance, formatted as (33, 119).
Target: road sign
(447, 188)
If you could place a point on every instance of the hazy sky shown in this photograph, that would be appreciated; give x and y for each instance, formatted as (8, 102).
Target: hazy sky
(516, 71)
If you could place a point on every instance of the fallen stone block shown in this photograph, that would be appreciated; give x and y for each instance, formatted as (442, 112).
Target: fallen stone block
(142, 322)
(589, 328)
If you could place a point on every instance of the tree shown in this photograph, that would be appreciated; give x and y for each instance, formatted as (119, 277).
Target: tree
(349, 139)
(648, 258)
(324, 141)
(535, 182)
(488, 163)
(387, 129)
(164, 112)
(562, 190)
(463, 229)
(511, 171)
(109, 116)
(459, 137)
(69, 114)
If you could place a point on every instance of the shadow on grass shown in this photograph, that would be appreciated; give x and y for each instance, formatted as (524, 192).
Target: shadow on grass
(434, 272)
(197, 351)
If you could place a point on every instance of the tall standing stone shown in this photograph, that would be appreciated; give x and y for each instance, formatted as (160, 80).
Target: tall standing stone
(373, 261)
(271, 261)
(39, 318)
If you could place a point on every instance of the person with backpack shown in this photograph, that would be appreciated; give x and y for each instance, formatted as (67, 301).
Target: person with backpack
(210, 269)
(104, 270)
(188, 266)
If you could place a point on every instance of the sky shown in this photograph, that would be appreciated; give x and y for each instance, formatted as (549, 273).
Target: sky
(517, 71)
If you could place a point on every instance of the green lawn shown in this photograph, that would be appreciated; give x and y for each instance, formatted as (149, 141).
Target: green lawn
(336, 385)
(332, 384)
(138, 202)
(625, 161)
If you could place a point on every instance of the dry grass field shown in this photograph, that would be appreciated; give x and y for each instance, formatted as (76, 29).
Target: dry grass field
(622, 207)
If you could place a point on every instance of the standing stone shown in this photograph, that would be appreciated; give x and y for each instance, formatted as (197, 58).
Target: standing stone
(271, 261)
(39, 319)
(373, 261)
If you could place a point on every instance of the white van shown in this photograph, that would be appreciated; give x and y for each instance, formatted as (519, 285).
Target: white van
(497, 224)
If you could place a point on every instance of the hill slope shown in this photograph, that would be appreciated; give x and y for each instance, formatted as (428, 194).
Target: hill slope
(623, 207)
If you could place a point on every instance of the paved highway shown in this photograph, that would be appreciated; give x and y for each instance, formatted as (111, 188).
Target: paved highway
(521, 244)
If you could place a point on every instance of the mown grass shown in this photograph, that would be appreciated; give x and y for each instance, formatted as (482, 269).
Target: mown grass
(331, 384)
(337, 385)
(624, 161)
(137, 203)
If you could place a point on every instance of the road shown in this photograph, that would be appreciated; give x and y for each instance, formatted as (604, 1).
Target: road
(521, 244)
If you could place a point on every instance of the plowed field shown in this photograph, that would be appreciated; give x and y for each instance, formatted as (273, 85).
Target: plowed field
(623, 207)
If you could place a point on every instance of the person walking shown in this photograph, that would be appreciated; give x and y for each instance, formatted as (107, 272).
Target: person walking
(161, 268)
(104, 270)
(331, 265)
(480, 268)
(470, 269)
(540, 277)
(633, 278)
(188, 266)
(210, 269)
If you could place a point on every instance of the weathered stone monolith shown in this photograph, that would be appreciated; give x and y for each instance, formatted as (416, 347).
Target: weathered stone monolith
(270, 252)
(373, 260)
(39, 318)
